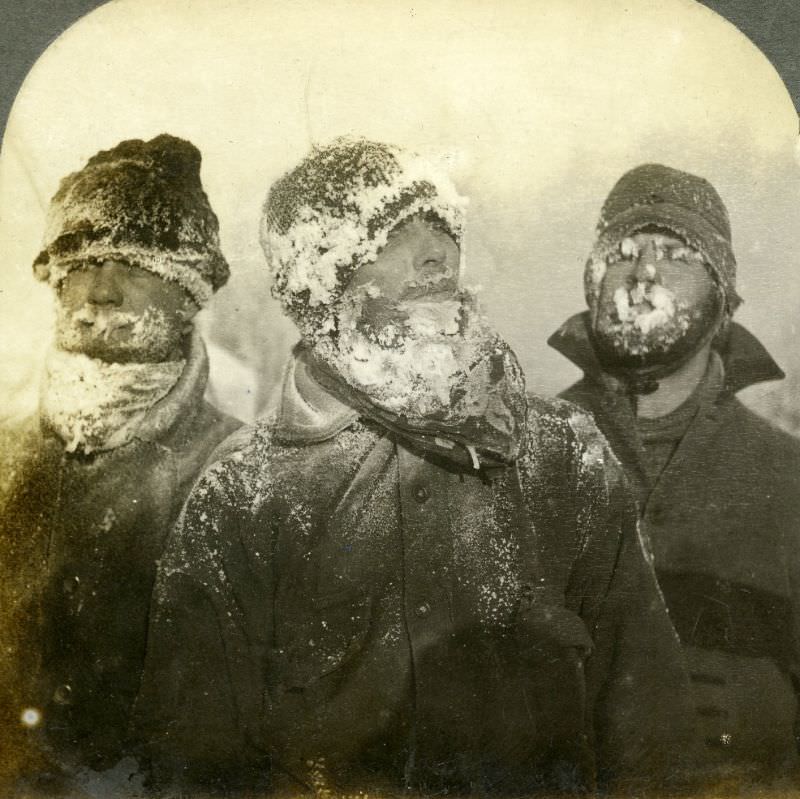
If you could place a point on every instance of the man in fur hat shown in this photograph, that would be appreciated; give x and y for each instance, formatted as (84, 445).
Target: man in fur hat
(718, 487)
(91, 485)
(410, 576)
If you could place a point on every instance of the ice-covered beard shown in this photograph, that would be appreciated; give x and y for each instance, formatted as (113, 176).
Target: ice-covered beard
(413, 361)
(645, 325)
(119, 336)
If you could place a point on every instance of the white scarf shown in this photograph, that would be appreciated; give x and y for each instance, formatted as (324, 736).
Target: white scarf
(93, 405)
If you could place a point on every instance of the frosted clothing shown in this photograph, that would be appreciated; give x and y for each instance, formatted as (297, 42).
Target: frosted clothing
(80, 538)
(339, 607)
(141, 203)
(333, 213)
(723, 520)
(93, 405)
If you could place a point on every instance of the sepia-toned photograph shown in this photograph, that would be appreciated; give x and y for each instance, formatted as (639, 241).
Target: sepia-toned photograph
(400, 400)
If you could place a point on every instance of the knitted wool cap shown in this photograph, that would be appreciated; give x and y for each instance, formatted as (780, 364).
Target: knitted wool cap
(142, 203)
(333, 213)
(687, 205)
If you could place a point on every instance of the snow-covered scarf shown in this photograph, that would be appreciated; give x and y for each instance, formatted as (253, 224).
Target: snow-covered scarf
(483, 424)
(484, 427)
(93, 405)
(434, 372)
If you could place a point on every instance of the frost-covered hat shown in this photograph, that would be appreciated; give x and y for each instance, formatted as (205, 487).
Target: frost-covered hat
(333, 213)
(687, 205)
(143, 203)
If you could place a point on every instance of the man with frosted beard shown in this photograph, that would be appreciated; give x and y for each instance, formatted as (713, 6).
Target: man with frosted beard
(91, 484)
(410, 576)
(718, 487)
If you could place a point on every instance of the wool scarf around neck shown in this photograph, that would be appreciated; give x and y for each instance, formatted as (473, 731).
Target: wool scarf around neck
(93, 405)
(484, 424)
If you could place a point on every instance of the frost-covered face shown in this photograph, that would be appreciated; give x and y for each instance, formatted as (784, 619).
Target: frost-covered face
(408, 335)
(656, 302)
(120, 313)
(418, 267)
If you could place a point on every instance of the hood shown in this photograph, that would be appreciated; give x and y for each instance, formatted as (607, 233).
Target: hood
(746, 360)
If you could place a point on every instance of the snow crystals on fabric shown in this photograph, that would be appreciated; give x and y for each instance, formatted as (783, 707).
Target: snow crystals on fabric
(334, 213)
(94, 405)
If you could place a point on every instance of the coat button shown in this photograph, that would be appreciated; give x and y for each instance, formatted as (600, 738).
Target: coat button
(71, 585)
(63, 695)
(421, 494)
(421, 611)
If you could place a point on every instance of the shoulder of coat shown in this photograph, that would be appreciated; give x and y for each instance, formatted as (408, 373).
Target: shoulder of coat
(747, 426)
(247, 443)
(559, 426)
(562, 417)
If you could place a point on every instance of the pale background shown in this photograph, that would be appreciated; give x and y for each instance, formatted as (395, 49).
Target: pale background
(537, 107)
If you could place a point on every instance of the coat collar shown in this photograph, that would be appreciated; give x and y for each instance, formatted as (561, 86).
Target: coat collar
(307, 413)
(171, 415)
(745, 358)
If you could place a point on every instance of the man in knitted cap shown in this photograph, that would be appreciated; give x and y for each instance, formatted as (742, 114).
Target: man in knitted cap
(92, 483)
(409, 576)
(718, 487)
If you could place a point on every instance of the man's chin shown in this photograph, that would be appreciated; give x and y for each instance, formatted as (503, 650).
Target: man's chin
(618, 356)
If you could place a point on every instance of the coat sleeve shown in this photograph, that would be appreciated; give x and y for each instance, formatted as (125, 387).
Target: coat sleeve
(198, 704)
(638, 691)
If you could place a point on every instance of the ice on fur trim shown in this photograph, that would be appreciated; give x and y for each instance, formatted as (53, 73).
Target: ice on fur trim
(141, 202)
(182, 268)
(334, 213)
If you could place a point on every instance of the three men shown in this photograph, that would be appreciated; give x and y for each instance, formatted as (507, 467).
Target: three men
(718, 487)
(413, 574)
(92, 483)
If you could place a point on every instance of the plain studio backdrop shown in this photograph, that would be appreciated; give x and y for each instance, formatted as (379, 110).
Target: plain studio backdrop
(536, 107)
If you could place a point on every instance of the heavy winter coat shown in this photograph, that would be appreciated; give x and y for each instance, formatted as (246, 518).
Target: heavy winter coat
(79, 540)
(723, 521)
(338, 609)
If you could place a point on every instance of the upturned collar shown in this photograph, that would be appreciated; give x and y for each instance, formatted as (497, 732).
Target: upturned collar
(745, 358)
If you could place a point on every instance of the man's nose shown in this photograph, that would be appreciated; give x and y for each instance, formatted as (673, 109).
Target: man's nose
(645, 264)
(430, 261)
(105, 289)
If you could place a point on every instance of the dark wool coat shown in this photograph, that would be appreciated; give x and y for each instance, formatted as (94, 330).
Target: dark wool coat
(723, 521)
(342, 610)
(79, 540)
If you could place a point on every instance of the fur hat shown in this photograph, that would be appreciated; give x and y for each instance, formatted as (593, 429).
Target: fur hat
(333, 213)
(687, 205)
(143, 203)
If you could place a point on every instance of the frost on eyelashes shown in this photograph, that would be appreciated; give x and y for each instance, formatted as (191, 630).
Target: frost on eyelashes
(628, 250)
